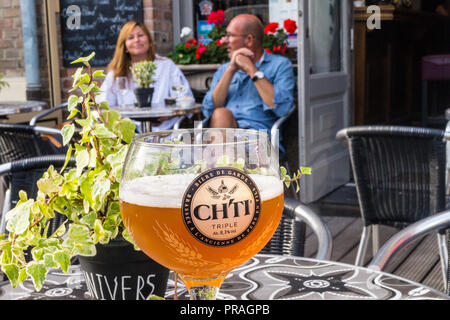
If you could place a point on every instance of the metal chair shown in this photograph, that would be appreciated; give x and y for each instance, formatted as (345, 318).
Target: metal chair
(399, 175)
(289, 239)
(437, 222)
(41, 115)
(23, 175)
(19, 141)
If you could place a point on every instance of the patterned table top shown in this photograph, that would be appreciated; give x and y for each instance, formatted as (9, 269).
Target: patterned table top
(264, 277)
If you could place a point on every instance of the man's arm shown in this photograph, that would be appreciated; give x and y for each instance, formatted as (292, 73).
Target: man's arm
(220, 92)
(264, 86)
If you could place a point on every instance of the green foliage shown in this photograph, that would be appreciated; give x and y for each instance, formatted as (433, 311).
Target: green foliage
(3, 83)
(144, 72)
(87, 195)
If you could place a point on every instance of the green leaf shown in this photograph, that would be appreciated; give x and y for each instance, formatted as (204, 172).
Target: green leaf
(68, 155)
(92, 158)
(67, 133)
(78, 233)
(126, 130)
(63, 259)
(84, 59)
(98, 73)
(100, 190)
(89, 219)
(19, 217)
(49, 261)
(12, 272)
(305, 170)
(37, 271)
(48, 185)
(102, 132)
(82, 160)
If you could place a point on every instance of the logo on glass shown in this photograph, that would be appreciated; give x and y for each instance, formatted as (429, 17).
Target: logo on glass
(221, 206)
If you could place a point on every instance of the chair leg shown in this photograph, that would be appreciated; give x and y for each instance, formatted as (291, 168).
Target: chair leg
(363, 246)
(375, 239)
(443, 254)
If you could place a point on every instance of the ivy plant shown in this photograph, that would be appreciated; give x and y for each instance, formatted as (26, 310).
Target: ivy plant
(87, 195)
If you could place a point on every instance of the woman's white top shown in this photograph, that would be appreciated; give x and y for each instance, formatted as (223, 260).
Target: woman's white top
(167, 75)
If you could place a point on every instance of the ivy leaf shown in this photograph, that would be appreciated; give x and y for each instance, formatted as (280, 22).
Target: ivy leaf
(98, 74)
(100, 190)
(48, 185)
(12, 272)
(305, 170)
(37, 271)
(63, 259)
(102, 132)
(19, 217)
(89, 219)
(67, 133)
(126, 130)
(82, 160)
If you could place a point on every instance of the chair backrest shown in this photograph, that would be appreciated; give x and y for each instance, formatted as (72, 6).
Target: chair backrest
(399, 172)
(23, 175)
(289, 238)
(19, 141)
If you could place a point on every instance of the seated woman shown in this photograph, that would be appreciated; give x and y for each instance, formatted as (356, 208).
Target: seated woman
(135, 44)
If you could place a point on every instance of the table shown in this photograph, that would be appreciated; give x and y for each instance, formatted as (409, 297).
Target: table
(157, 110)
(15, 107)
(264, 277)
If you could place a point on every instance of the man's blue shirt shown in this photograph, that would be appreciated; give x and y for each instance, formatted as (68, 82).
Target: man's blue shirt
(244, 100)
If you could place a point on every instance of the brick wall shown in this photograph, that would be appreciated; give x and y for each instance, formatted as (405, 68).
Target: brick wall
(158, 19)
(11, 43)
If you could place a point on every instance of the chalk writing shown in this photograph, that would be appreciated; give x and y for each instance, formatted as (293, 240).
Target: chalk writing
(94, 26)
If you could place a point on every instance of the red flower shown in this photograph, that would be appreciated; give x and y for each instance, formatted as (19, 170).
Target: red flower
(220, 16)
(211, 17)
(190, 43)
(200, 49)
(271, 28)
(216, 17)
(268, 50)
(290, 26)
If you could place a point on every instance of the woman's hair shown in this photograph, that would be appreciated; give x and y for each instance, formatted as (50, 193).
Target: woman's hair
(121, 61)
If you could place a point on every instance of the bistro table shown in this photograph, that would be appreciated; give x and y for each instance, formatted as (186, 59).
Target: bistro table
(14, 107)
(148, 115)
(264, 277)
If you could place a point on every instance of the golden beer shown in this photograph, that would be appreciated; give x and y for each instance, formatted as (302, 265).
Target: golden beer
(151, 208)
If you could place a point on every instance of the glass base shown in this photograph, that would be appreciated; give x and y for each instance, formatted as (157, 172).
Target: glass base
(203, 293)
(202, 289)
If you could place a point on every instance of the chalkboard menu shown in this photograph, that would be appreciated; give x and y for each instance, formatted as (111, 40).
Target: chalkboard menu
(88, 26)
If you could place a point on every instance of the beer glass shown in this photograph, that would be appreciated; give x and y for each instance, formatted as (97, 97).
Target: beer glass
(201, 202)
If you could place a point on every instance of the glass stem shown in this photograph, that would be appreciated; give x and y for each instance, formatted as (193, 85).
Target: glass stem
(203, 292)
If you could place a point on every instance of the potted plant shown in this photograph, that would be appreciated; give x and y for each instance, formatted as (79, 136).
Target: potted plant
(144, 71)
(88, 197)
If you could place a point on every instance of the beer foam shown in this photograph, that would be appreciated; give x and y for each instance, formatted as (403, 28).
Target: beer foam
(167, 191)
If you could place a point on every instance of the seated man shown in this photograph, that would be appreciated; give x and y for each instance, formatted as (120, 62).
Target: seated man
(254, 88)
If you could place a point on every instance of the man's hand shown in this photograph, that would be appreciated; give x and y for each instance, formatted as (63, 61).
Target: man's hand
(242, 59)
